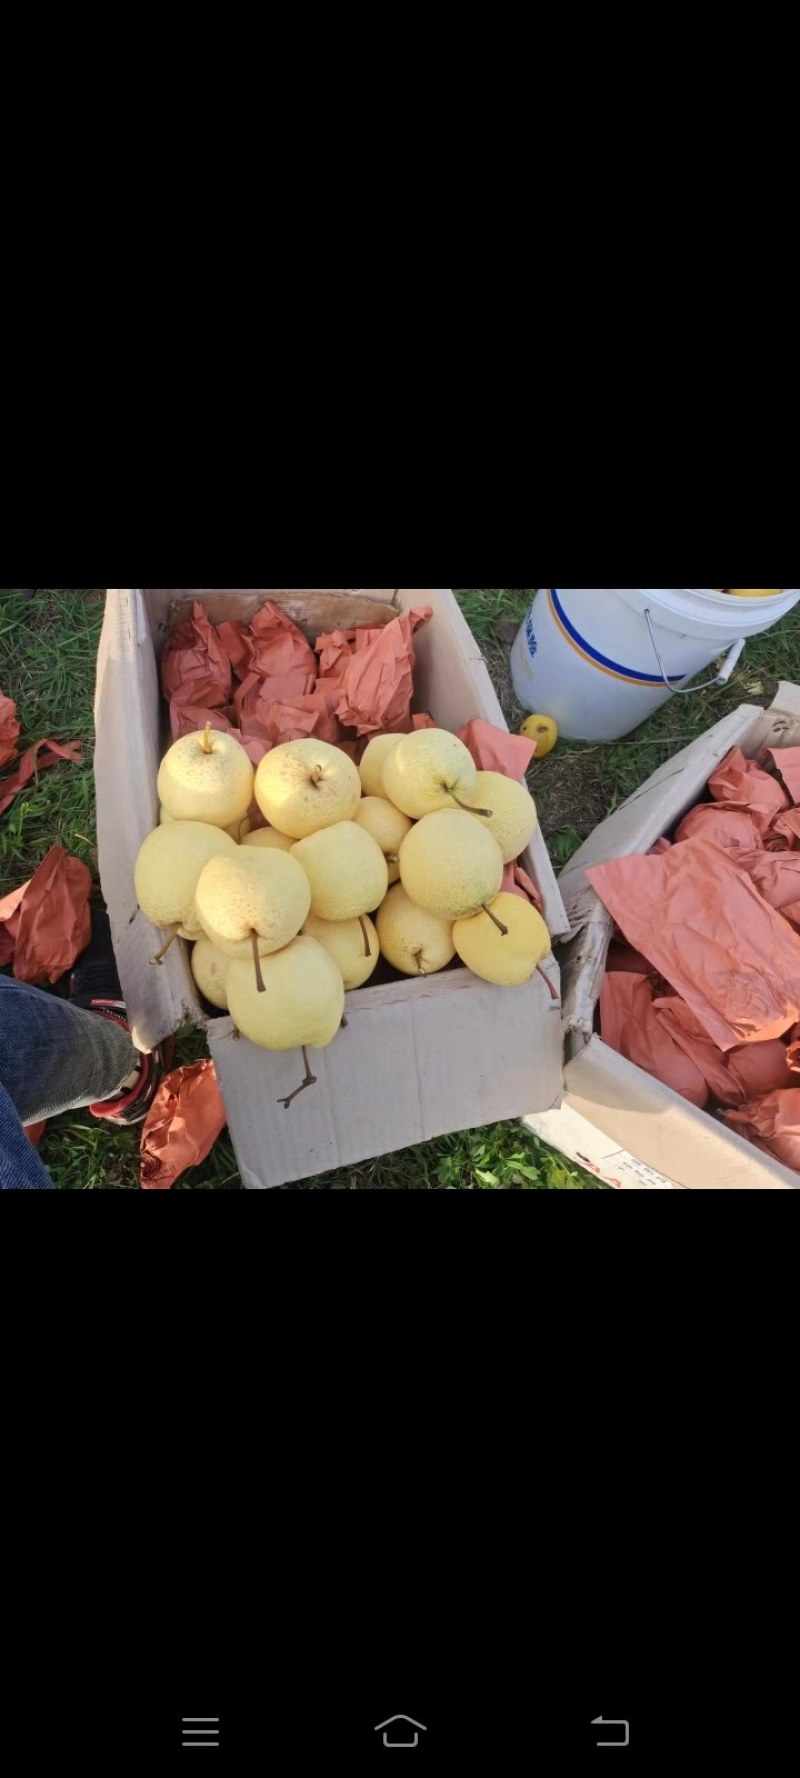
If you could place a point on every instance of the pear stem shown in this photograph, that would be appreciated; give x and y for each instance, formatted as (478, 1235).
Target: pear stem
(367, 951)
(418, 961)
(497, 923)
(159, 958)
(310, 1081)
(546, 978)
(486, 813)
(257, 962)
(344, 1024)
(207, 742)
(316, 775)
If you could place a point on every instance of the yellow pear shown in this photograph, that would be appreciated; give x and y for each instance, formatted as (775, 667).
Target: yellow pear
(169, 867)
(513, 819)
(235, 829)
(190, 928)
(505, 944)
(373, 761)
(206, 777)
(450, 864)
(346, 869)
(267, 839)
(253, 903)
(413, 941)
(388, 827)
(210, 970)
(431, 770)
(303, 786)
(353, 945)
(303, 1002)
(544, 731)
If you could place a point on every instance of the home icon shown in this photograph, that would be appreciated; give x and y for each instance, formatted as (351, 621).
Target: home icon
(401, 1735)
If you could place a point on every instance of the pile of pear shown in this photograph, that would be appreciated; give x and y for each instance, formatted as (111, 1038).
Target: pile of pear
(402, 857)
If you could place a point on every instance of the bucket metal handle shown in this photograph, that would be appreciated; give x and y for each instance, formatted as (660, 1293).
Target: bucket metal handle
(683, 690)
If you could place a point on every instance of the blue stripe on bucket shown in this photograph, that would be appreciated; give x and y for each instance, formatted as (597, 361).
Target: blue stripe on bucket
(603, 660)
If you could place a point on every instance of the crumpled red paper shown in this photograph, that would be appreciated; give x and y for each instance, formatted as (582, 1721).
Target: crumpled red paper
(336, 649)
(9, 730)
(742, 1073)
(256, 693)
(182, 1125)
(630, 1024)
(45, 925)
(233, 639)
(194, 667)
(740, 783)
(773, 1124)
(186, 719)
(786, 761)
(702, 924)
(35, 760)
(733, 829)
(494, 750)
(276, 645)
(683, 1026)
(623, 958)
(758, 1068)
(784, 833)
(776, 876)
(377, 685)
(517, 882)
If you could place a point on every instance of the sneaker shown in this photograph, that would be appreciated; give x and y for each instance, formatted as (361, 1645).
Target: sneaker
(94, 986)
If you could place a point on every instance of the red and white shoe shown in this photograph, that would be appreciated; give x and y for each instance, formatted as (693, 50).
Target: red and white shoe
(94, 986)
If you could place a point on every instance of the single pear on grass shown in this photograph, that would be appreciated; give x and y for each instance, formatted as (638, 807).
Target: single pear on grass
(210, 970)
(373, 761)
(431, 770)
(252, 904)
(268, 839)
(168, 870)
(514, 819)
(450, 865)
(504, 944)
(206, 777)
(346, 869)
(413, 941)
(353, 945)
(303, 786)
(388, 827)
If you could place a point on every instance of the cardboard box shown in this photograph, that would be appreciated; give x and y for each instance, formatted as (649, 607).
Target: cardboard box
(625, 1126)
(418, 1059)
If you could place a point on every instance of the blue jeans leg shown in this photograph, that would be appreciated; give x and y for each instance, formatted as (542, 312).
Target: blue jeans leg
(20, 1166)
(55, 1057)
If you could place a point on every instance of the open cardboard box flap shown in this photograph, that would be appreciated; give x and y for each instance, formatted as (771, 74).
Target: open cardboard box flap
(651, 1135)
(418, 1059)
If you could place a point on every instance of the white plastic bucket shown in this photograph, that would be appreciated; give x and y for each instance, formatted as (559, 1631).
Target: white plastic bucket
(602, 659)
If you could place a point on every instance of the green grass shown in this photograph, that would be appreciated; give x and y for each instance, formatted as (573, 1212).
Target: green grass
(48, 644)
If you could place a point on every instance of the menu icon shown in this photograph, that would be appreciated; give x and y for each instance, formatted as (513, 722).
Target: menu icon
(199, 1731)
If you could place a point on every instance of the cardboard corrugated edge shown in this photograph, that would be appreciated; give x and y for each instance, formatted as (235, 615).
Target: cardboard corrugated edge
(653, 1128)
(456, 683)
(127, 759)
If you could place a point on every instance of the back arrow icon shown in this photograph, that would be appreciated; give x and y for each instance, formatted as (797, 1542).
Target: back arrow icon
(613, 1725)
